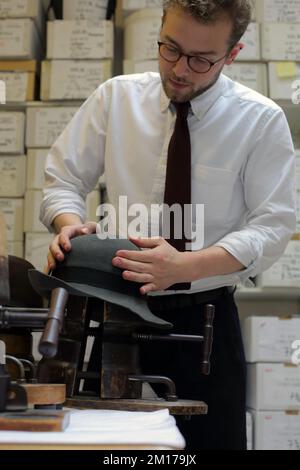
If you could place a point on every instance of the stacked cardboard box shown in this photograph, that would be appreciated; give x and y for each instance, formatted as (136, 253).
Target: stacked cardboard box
(21, 37)
(12, 176)
(273, 383)
(286, 271)
(79, 52)
(44, 125)
(84, 9)
(281, 48)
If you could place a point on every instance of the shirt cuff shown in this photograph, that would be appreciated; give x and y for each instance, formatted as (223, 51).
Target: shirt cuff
(250, 258)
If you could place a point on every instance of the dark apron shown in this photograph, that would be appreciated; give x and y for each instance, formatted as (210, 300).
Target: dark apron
(224, 427)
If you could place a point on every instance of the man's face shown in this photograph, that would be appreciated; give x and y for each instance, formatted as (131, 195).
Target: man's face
(191, 37)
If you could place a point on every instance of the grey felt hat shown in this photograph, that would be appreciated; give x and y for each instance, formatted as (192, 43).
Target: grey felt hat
(87, 270)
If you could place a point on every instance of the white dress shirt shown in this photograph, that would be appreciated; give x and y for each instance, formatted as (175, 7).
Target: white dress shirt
(242, 164)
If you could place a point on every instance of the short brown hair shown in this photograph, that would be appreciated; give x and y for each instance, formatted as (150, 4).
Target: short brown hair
(208, 11)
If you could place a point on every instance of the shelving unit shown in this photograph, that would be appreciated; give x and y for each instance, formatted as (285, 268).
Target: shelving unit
(271, 293)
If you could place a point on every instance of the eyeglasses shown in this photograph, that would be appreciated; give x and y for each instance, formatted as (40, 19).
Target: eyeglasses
(196, 63)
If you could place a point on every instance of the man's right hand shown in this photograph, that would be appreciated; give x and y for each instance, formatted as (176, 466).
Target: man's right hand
(61, 243)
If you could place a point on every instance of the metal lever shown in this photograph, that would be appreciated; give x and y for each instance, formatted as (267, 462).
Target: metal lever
(157, 379)
(143, 337)
(209, 315)
(49, 342)
(20, 366)
(23, 318)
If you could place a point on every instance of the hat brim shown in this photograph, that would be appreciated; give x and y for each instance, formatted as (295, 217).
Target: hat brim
(44, 284)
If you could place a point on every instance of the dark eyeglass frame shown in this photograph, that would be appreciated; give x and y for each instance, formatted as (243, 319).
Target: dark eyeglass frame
(210, 63)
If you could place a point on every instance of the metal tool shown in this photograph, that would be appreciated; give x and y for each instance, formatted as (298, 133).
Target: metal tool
(12, 396)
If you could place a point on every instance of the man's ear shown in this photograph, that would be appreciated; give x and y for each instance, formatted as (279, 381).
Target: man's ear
(234, 53)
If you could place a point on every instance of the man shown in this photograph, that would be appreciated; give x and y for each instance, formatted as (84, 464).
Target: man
(242, 167)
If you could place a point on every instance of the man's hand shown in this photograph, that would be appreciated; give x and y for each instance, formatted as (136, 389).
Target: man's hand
(160, 266)
(62, 241)
(157, 267)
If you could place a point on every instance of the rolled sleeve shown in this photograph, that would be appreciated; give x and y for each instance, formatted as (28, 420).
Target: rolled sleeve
(75, 162)
(270, 195)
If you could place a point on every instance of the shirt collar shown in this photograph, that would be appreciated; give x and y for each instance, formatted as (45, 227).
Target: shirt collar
(202, 103)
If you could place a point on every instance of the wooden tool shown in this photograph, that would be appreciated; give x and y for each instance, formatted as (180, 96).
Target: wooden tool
(35, 421)
(45, 394)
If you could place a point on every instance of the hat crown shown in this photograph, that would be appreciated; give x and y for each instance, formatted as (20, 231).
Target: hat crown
(87, 270)
(90, 262)
(90, 252)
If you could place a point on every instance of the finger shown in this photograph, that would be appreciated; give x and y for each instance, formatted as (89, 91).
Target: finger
(64, 241)
(74, 231)
(139, 256)
(137, 277)
(51, 262)
(56, 251)
(135, 266)
(148, 288)
(46, 269)
(147, 242)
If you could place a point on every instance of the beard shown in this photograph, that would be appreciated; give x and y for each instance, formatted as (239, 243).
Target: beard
(182, 96)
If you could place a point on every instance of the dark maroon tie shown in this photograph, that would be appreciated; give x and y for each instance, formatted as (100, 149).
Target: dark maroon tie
(178, 178)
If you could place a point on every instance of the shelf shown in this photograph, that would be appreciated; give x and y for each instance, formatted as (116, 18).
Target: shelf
(270, 293)
(38, 104)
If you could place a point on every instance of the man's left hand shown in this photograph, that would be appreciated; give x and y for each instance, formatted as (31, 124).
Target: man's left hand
(157, 266)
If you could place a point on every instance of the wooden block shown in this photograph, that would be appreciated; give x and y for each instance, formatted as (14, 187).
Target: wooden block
(45, 394)
(35, 421)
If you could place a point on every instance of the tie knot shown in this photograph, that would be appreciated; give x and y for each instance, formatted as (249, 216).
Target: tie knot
(182, 109)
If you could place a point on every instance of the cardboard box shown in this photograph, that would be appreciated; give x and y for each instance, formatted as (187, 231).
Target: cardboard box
(130, 6)
(19, 39)
(36, 248)
(277, 430)
(131, 66)
(286, 271)
(273, 387)
(19, 8)
(20, 86)
(252, 75)
(80, 39)
(12, 176)
(33, 202)
(253, 4)
(24, 9)
(84, 9)
(15, 249)
(274, 11)
(280, 42)
(45, 124)
(282, 75)
(36, 160)
(73, 79)
(144, 25)
(13, 211)
(270, 339)
(12, 132)
(251, 40)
